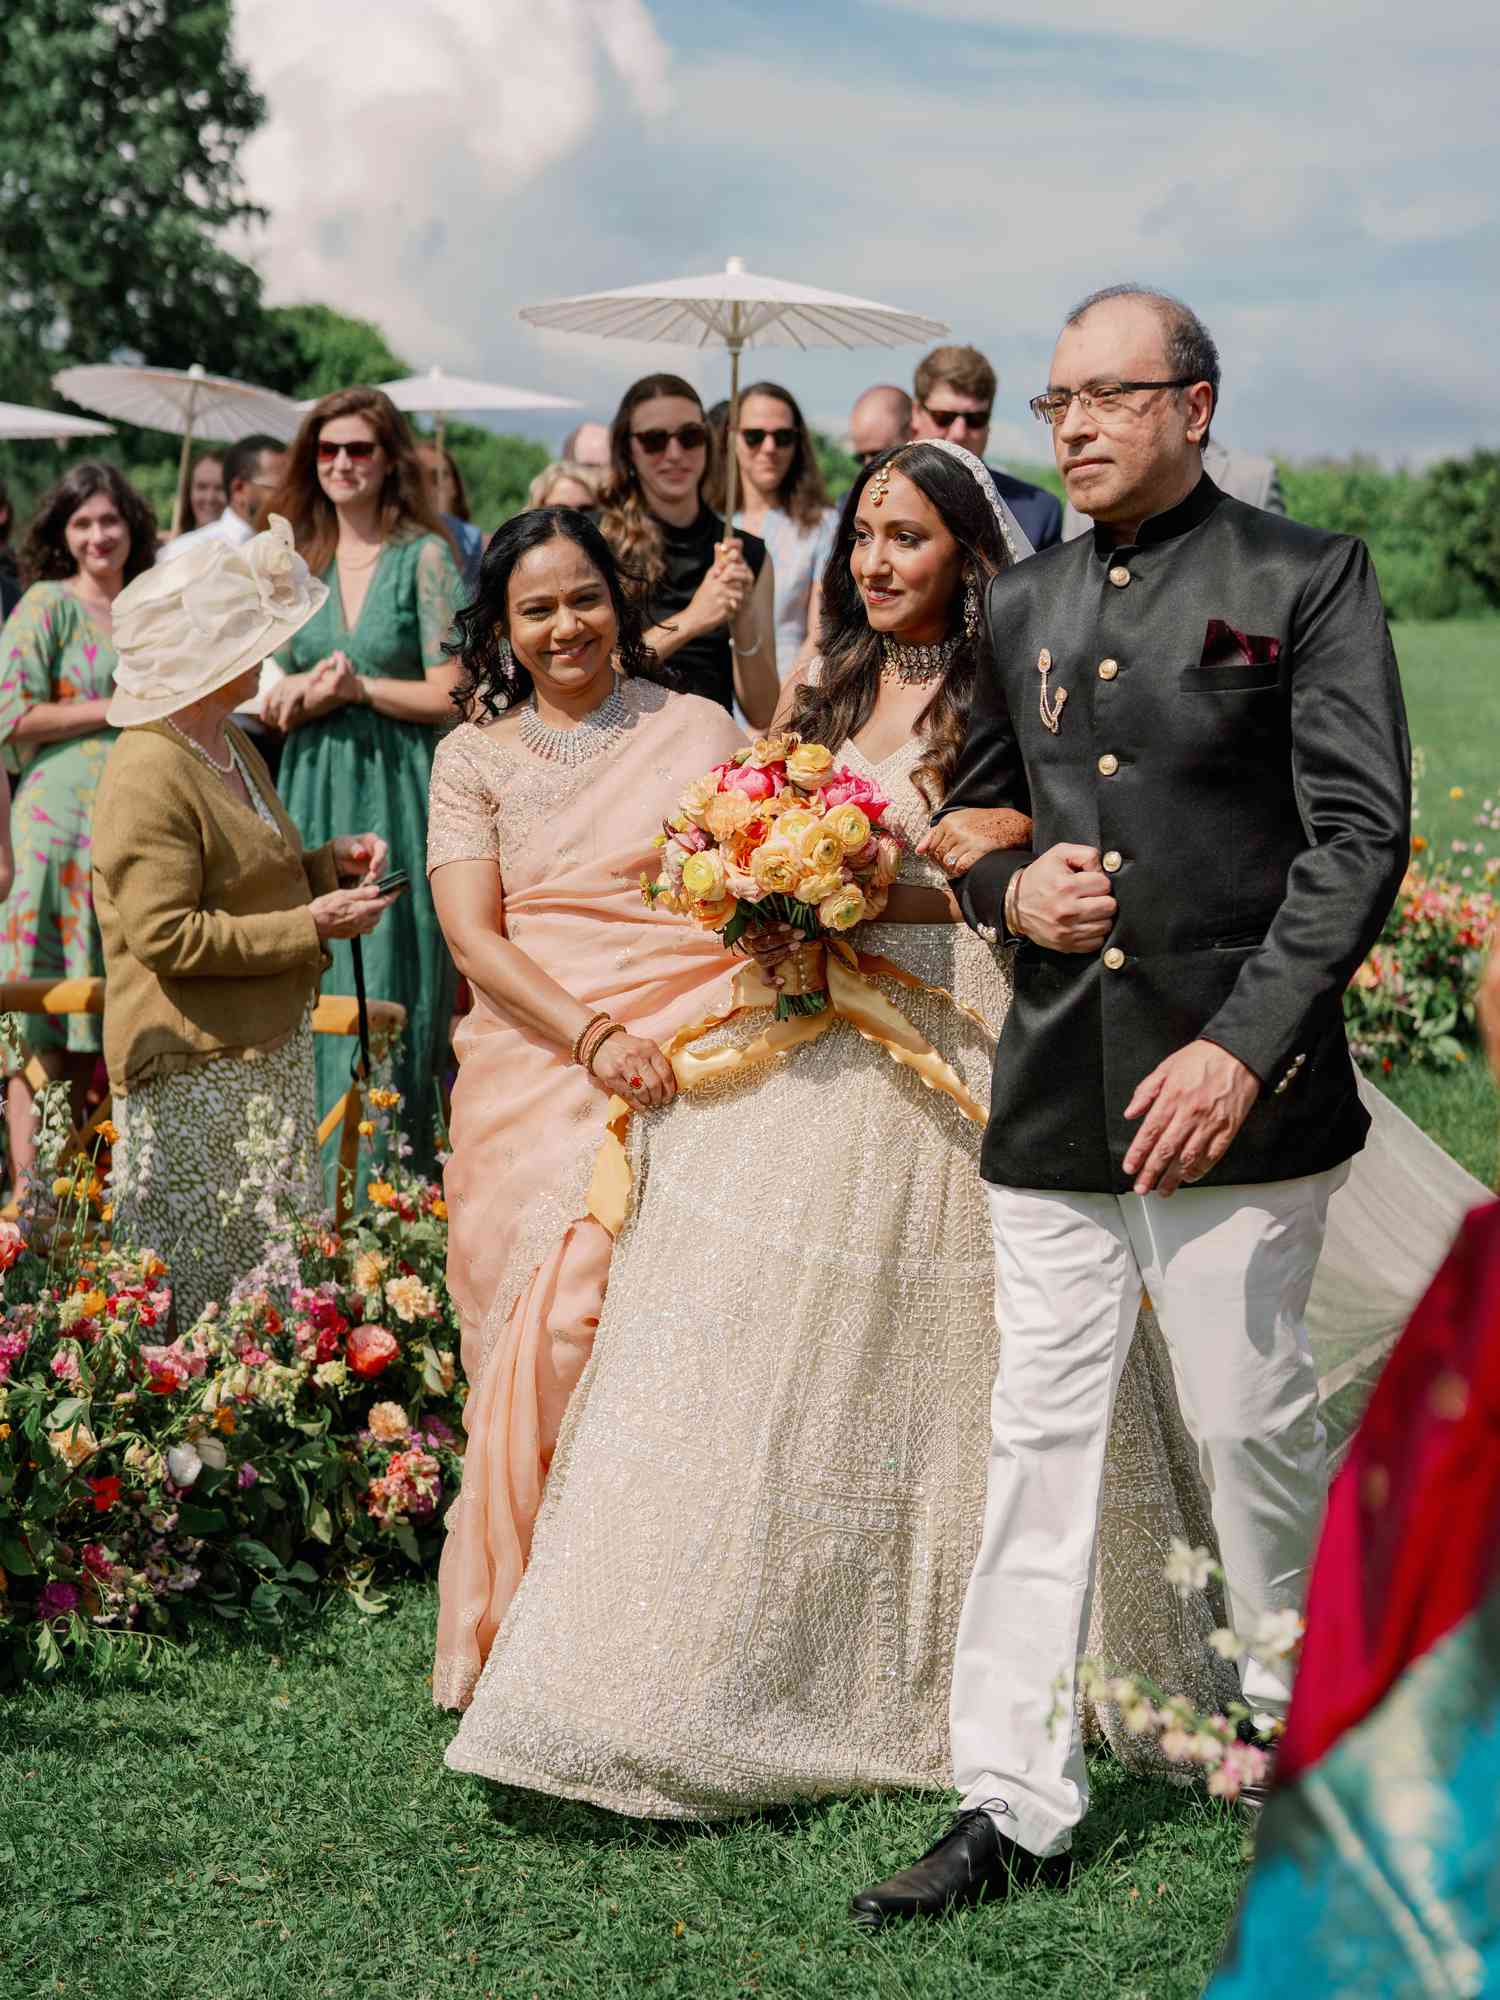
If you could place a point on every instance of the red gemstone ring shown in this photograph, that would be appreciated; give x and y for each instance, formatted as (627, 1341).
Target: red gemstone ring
(635, 1083)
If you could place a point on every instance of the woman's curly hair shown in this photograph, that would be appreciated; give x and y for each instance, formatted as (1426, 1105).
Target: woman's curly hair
(45, 555)
(493, 678)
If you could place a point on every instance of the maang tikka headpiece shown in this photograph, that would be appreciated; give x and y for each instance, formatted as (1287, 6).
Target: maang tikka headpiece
(880, 486)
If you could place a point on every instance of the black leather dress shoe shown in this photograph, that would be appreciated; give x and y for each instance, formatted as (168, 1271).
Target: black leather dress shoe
(973, 1862)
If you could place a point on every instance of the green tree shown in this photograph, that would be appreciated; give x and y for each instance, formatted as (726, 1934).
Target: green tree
(311, 350)
(120, 128)
(1461, 512)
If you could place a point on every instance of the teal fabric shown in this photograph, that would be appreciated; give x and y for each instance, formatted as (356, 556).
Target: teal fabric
(1378, 1872)
(355, 771)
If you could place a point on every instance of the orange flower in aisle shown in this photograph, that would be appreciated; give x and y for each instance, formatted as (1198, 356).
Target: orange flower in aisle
(372, 1349)
(778, 835)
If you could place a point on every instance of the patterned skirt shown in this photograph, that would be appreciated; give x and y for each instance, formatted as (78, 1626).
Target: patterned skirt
(212, 1162)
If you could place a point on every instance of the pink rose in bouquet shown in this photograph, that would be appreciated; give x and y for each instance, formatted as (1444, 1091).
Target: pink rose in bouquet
(778, 835)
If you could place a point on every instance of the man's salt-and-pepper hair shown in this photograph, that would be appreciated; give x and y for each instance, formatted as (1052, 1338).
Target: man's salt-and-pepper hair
(1190, 345)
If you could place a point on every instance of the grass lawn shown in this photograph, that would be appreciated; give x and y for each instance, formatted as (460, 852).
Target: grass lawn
(279, 1824)
(270, 1817)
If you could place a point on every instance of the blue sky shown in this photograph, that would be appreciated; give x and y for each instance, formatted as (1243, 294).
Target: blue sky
(1320, 178)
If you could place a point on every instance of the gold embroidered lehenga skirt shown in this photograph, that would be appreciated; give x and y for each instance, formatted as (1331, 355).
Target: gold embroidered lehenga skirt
(768, 1492)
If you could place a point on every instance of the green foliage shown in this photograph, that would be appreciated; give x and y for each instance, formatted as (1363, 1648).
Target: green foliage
(497, 471)
(1462, 518)
(1413, 523)
(840, 468)
(312, 350)
(120, 128)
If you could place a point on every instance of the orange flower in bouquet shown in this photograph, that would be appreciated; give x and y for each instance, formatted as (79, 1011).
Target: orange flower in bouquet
(778, 835)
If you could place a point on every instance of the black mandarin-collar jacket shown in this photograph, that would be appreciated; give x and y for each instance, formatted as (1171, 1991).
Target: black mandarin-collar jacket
(1249, 788)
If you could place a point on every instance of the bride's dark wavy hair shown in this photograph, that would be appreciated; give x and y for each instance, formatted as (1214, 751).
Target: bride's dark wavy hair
(493, 678)
(839, 705)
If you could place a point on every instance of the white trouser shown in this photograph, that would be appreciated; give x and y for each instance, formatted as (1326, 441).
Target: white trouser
(1228, 1270)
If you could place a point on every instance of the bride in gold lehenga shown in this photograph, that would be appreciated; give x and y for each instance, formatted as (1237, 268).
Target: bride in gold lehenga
(746, 1575)
(747, 1572)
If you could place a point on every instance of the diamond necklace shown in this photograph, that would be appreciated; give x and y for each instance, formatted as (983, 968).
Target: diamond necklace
(600, 728)
(917, 666)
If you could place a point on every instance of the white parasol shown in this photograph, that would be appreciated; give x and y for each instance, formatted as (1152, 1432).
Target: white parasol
(439, 394)
(19, 420)
(735, 308)
(181, 400)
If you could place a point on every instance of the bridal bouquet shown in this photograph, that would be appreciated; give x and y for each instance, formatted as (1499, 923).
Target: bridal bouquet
(778, 835)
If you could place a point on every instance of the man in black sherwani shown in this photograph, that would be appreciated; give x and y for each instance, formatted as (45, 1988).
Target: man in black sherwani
(1199, 707)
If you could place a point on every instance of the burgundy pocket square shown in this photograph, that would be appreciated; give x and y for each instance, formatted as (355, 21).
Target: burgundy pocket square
(1224, 647)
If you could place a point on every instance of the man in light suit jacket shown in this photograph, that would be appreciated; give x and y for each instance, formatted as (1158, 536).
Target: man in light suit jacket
(1241, 474)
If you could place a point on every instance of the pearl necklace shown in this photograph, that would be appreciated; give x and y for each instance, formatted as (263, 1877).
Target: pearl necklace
(599, 730)
(224, 770)
(917, 666)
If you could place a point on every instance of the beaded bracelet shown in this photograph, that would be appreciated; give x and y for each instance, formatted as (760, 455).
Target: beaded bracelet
(592, 1054)
(587, 1029)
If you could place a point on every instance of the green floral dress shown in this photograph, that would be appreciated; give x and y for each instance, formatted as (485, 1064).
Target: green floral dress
(358, 772)
(51, 650)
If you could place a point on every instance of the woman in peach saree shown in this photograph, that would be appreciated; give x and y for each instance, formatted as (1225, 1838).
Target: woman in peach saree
(544, 806)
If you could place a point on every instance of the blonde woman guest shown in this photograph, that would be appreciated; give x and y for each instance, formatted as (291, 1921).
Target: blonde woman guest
(370, 690)
(709, 596)
(216, 922)
(786, 503)
(450, 499)
(92, 534)
(564, 483)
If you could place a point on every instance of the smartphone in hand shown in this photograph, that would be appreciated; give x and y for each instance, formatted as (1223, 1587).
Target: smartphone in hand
(394, 883)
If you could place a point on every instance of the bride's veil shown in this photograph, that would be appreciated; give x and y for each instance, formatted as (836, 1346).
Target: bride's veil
(1012, 533)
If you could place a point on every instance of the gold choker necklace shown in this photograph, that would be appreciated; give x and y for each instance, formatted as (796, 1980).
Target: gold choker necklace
(918, 666)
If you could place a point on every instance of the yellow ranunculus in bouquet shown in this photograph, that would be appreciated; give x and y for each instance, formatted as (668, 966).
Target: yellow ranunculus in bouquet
(778, 835)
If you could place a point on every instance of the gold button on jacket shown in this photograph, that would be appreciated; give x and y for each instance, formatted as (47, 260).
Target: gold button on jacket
(1114, 958)
(1113, 861)
(1109, 763)
(1119, 576)
(1108, 669)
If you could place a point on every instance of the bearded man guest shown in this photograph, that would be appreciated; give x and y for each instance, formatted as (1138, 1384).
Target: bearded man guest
(1198, 704)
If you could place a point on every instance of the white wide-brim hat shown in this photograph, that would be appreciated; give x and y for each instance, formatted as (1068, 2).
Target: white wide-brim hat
(200, 620)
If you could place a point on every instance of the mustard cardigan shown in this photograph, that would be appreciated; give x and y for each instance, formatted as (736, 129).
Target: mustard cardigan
(209, 949)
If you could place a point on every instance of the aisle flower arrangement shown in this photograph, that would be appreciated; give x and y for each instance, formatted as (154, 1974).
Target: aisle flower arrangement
(1412, 1001)
(778, 834)
(302, 1434)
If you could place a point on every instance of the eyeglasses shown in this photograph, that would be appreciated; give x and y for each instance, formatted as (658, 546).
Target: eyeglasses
(360, 449)
(755, 437)
(1104, 399)
(691, 437)
(946, 419)
(869, 457)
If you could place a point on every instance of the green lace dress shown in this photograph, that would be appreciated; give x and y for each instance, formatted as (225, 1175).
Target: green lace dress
(51, 650)
(355, 771)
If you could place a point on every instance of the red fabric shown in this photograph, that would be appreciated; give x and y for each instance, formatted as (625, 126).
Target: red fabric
(1412, 1540)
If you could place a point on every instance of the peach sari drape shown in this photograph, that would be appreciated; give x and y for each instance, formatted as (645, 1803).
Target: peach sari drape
(527, 1267)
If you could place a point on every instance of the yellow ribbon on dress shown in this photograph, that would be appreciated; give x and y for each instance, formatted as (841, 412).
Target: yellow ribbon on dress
(847, 977)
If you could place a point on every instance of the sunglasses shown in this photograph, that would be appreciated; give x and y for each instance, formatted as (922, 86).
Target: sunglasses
(692, 437)
(755, 437)
(361, 448)
(946, 419)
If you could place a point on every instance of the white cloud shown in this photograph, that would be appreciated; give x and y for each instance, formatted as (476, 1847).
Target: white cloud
(1325, 193)
(392, 123)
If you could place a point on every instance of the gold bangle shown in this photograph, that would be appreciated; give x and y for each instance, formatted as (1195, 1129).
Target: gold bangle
(614, 1028)
(592, 1043)
(587, 1029)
